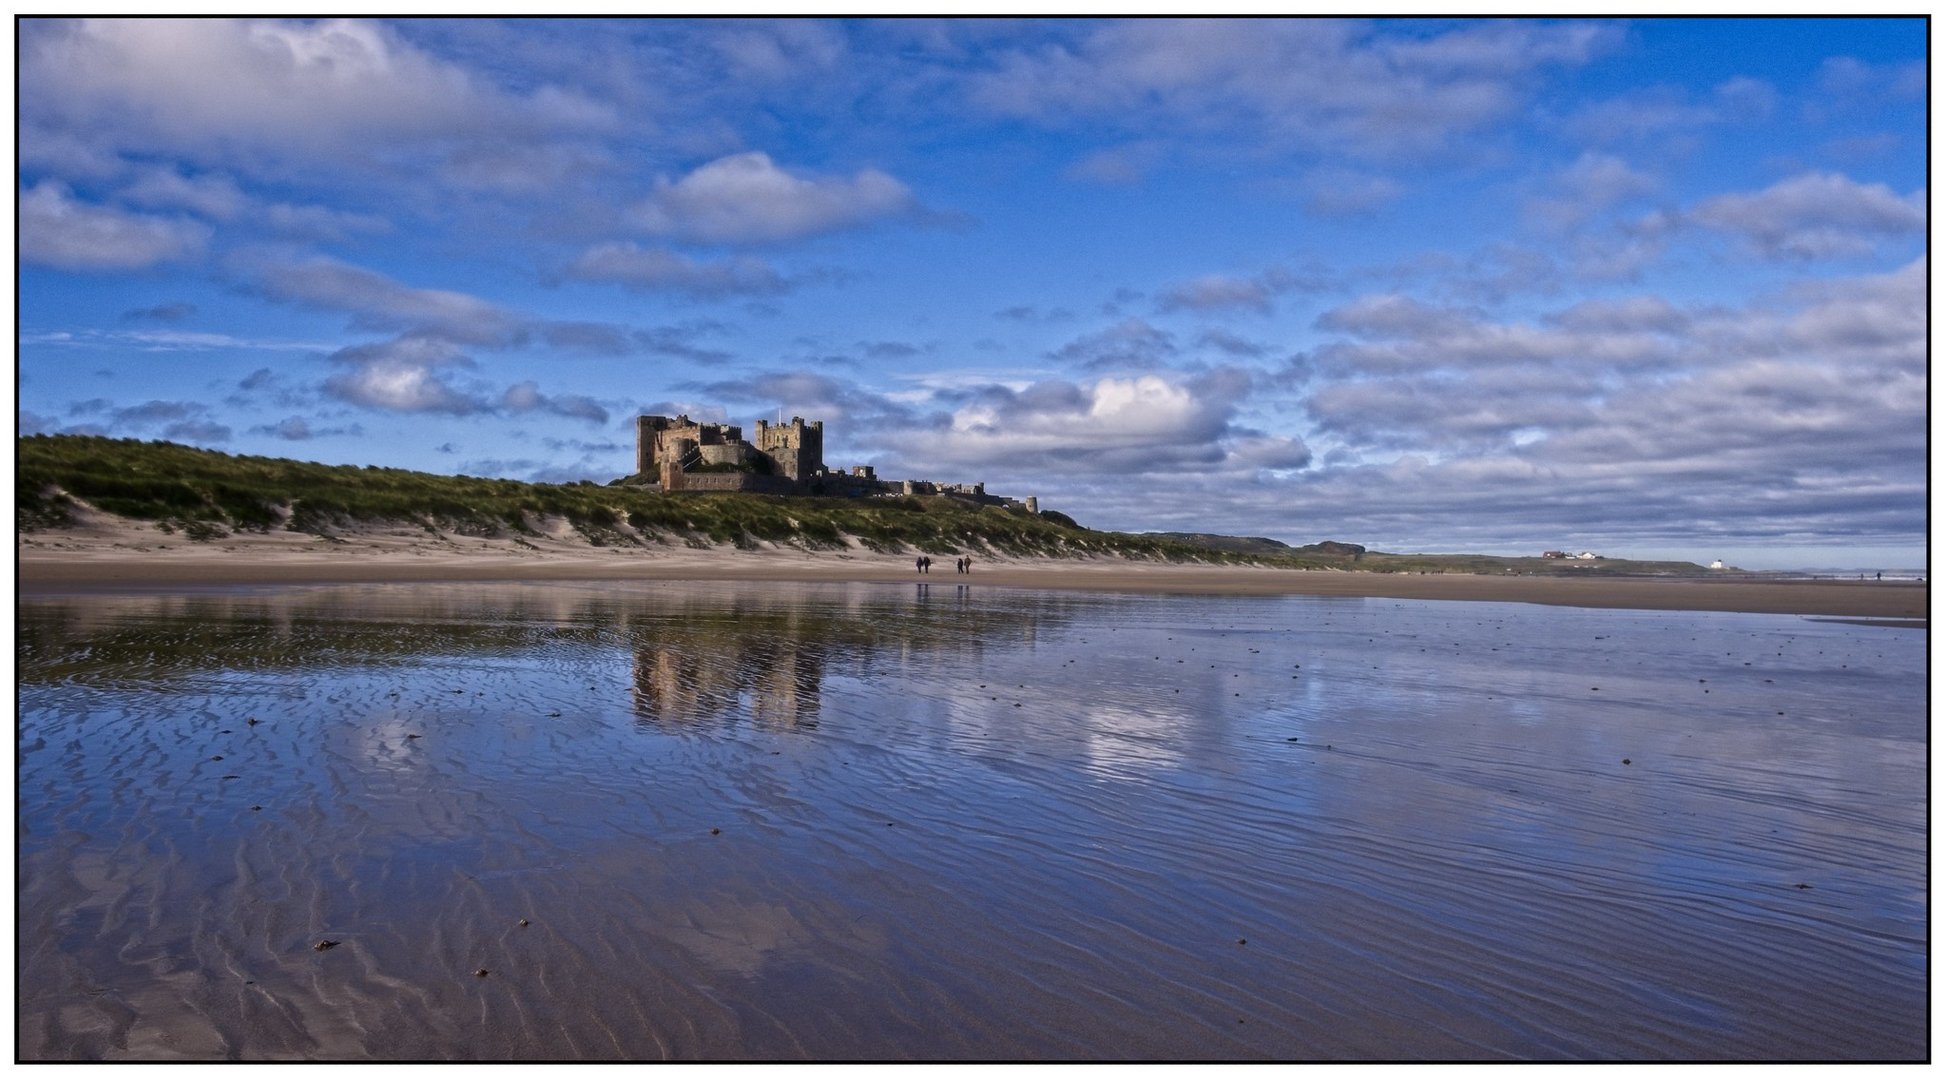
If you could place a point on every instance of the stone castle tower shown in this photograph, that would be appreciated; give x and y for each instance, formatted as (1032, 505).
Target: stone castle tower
(661, 441)
(797, 448)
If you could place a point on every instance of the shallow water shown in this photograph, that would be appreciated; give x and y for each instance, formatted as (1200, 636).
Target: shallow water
(875, 821)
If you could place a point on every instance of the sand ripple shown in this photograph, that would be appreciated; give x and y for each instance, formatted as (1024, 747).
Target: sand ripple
(876, 821)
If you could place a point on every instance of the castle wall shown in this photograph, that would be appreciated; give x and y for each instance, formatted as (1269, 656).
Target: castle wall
(854, 486)
(733, 481)
(736, 453)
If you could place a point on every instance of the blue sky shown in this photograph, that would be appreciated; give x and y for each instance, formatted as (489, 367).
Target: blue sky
(1655, 288)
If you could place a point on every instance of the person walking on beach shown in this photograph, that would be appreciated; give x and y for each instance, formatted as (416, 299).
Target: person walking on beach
(969, 568)
(919, 565)
(925, 564)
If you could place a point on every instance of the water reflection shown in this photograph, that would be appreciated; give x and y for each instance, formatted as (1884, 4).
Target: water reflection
(700, 658)
(695, 653)
(962, 822)
(699, 665)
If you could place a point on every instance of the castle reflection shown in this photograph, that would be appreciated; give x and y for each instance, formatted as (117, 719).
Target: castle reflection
(774, 680)
(766, 658)
(687, 653)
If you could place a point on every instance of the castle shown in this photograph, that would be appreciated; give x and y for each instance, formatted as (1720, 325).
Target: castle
(680, 454)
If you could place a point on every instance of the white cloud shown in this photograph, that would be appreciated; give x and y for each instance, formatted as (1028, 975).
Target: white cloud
(1231, 344)
(413, 373)
(1848, 76)
(405, 375)
(654, 269)
(380, 303)
(377, 302)
(512, 166)
(182, 421)
(746, 199)
(1280, 452)
(1636, 313)
(1216, 292)
(322, 223)
(1337, 192)
(219, 198)
(77, 155)
(781, 50)
(250, 87)
(1583, 190)
(171, 312)
(294, 428)
(1445, 414)
(1815, 215)
(1315, 82)
(212, 196)
(1391, 315)
(298, 429)
(1138, 424)
(812, 394)
(1746, 98)
(1875, 319)
(1119, 166)
(1131, 343)
(527, 397)
(1629, 418)
(197, 431)
(58, 230)
(166, 340)
(1642, 115)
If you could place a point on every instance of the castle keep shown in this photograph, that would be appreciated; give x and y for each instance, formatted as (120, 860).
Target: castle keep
(680, 454)
(681, 445)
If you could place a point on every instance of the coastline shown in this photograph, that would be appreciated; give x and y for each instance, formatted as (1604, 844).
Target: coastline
(114, 555)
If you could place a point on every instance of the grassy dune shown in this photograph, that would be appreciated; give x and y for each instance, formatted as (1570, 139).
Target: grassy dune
(207, 494)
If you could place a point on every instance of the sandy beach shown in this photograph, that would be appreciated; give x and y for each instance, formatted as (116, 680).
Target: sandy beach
(770, 821)
(108, 553)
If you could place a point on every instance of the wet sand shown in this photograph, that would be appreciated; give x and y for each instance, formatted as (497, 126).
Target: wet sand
(831, 822)
(115, 555)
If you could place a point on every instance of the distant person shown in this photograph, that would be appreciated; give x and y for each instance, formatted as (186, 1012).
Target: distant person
(1875, 575)
(925, 564)
(919, 565)
(969, 568)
